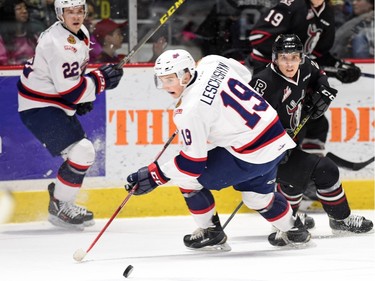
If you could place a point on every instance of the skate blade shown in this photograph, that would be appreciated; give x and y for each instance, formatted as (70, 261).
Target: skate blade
(345, 233)
(59, 223)
(89, 223)
(286, 243)
(215, 248)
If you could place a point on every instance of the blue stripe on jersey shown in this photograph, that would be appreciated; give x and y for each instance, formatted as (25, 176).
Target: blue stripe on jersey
(190, 166)
(35, 96)
(75, 93)
(66, 99)
(274, 131)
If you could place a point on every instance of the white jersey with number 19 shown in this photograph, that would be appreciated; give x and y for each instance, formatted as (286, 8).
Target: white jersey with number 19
(219, 109)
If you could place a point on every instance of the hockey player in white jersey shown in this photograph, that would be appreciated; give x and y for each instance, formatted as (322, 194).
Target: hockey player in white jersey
(231, 137)
(53, 88)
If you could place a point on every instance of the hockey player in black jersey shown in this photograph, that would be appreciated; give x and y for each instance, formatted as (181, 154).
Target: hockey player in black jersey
(295, 86)
(314, 23)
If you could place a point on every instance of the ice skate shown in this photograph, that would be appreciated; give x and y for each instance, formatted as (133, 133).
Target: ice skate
(352, 224)
(211, 238)
(66, 214)
(295, 236)
(306, 220)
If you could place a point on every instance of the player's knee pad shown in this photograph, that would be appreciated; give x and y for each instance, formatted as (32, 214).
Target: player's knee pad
(326, 173)
(257, 201)
(82, 153)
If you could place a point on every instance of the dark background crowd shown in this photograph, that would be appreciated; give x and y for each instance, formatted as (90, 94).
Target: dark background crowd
(212, 27)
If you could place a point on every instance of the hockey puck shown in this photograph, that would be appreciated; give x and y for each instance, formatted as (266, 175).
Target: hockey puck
(128, 271)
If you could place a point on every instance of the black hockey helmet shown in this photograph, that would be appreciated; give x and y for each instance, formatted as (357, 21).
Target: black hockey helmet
(287, 43)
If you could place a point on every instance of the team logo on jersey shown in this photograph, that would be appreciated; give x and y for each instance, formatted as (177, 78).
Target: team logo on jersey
(178, 111)
(313, 36)
(71, 39)
(70, 48)
(293, 109)
(287, 92)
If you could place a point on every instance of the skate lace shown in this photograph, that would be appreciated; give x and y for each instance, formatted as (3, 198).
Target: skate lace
(80, 210)
(280, 235)
(302, 217)
(354, 221)
(68, 209)
(198, 233)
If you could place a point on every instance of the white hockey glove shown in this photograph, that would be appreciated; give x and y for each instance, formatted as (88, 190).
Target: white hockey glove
(147, 179)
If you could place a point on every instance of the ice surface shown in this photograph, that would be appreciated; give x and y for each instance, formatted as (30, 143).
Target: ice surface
(39, 251)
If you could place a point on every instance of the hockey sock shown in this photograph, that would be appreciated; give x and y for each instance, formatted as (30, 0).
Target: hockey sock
(334, 201)
(294, 198)
(201, 205)
(278, 212)
(69, 180)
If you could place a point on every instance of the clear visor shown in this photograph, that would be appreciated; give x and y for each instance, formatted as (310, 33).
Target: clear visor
(287, 58)
(169, 81)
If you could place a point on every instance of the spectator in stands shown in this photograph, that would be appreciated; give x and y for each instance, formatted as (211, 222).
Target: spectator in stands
(18, 36)
(89, 22)
(41, 13)
(158, 48)
(343, 10)
(355, 39)
(110, 36)
(3, 52)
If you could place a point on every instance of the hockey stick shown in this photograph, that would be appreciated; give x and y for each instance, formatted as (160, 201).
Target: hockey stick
(163, 19)
(368, 75)
(294, 134)
(233, 214)
(353, 166)
(80, 253)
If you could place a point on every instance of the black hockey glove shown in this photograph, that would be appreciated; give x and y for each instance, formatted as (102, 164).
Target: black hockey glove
(84, 108)
(106, 77)
(346, 72)
(317, 103)
(147, 179)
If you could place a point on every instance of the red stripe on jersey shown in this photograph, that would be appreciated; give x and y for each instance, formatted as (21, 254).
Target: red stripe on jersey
(81, 80)
(192, 158)
(190, 166)
(259, 58)
(274, 134)
(48, 101)
(263, 36)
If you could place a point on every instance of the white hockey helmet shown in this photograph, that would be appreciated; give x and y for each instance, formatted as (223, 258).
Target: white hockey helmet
(174, 61)
(61, 4)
